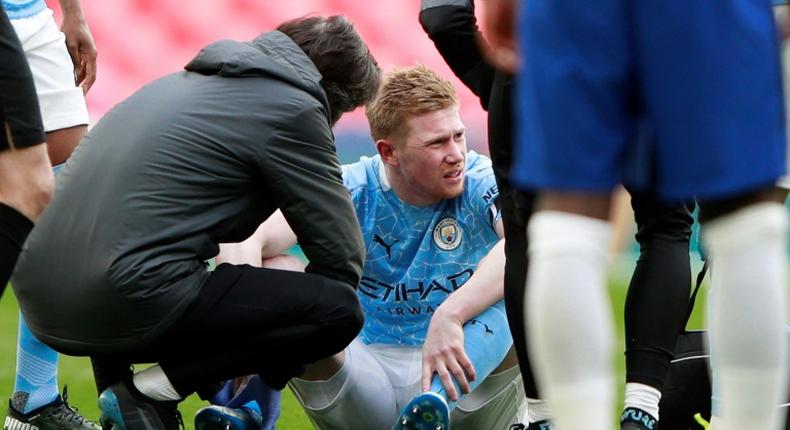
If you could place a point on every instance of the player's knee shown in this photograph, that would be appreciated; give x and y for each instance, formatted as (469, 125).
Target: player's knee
(42, 193)
(37, 193)
(26, 181)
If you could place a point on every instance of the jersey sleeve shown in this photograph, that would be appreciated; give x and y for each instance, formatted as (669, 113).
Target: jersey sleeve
(482, 192)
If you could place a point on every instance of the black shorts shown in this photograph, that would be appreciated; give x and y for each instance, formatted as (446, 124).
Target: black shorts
(20, 116)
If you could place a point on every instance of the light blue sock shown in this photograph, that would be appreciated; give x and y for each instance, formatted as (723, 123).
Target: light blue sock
(487, 340)
(36, 381)
(252, 405)
(261, 398)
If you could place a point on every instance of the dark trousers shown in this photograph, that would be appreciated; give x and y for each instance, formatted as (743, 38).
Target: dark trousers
(658, 295)
(516, 209)
(14, 228)
(247, 320)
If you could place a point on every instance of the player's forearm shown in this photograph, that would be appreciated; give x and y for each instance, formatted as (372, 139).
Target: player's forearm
(500, 26)
(71, 10)
(481, 291)
(274, 236)
(239, 253)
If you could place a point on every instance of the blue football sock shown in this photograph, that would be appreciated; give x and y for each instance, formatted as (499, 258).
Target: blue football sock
(252, 404)
(36, 379)
(36, 383)
(487, 341)
(257, 396)
(223, 396)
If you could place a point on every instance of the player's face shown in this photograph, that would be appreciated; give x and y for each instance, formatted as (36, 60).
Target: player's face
(432, 155)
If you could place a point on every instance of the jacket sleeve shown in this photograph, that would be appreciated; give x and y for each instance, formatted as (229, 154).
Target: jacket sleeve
(452, 26)
(304, 176)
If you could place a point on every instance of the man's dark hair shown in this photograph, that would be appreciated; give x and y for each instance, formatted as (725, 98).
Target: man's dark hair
(350, 74)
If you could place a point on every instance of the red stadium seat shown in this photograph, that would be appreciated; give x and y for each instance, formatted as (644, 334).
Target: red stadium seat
(140, 40)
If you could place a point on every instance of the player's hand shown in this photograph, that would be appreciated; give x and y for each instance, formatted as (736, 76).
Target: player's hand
(81, 47)
(500, 45)
(443, 354)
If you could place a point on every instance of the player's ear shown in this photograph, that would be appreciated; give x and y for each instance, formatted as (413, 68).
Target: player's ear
(386, 149)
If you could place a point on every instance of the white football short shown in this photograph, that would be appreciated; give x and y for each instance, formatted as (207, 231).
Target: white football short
(61, 100)
(376, 381)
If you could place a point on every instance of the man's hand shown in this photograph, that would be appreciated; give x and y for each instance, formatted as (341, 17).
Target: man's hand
(500, 45)
(443, 353)
(79, 43)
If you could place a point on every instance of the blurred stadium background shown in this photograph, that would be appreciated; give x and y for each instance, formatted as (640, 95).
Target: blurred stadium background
(141, 40)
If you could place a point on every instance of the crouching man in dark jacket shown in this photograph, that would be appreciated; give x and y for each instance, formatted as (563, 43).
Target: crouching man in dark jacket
(115, 268)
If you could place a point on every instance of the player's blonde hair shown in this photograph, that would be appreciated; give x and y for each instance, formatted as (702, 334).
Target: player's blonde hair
(405, 93)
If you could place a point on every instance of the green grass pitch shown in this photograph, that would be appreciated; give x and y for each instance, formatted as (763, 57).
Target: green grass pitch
(76, 372)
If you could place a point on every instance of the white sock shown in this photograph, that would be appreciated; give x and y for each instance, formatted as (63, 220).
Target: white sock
(747, 314)
(642, 397)
(153, 383)
(538, 410)
(570, 319)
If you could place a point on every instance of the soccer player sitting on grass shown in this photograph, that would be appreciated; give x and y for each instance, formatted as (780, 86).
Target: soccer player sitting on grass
(432, 283)
(115, 269)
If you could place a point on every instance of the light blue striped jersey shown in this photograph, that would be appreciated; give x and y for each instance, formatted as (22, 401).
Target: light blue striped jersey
(16, 9)
(417, 256)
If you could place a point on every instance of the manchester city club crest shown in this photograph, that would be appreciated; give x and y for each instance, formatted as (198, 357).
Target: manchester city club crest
(447, 234)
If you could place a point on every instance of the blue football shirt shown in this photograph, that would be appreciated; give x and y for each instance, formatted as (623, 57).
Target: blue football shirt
(417, 256)
(16, 9)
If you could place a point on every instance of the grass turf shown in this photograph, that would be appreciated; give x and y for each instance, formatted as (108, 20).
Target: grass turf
(76, 372)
